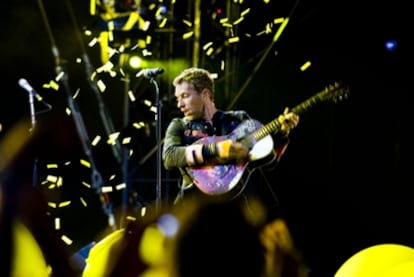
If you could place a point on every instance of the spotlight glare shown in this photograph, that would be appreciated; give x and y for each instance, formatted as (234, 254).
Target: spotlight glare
(135, 62)
(391, 45)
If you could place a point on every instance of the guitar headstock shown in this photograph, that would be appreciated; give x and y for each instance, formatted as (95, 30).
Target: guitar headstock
(335, 92)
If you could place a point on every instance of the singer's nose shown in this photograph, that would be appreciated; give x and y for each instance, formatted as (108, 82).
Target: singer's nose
(179, 103)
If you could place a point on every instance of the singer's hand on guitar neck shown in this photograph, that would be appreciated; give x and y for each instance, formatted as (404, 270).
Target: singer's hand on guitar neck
(288, 120)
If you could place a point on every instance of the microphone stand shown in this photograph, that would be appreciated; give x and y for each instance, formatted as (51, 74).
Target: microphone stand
(32, 127)
(158, 141)
(96, 177)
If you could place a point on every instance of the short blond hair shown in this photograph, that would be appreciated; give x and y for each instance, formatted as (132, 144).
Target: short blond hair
(200, 78)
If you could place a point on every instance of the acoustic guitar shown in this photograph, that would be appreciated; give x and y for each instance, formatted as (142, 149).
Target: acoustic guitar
(231, 178)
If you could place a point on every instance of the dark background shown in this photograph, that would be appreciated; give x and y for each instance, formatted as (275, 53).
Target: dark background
(344, 183)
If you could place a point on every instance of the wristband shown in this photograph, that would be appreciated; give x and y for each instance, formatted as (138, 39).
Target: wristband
(194, 154)
(209, 151)
(223, 148)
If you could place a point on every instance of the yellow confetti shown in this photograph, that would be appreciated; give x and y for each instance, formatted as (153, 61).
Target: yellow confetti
(131, 96)
(238, 21)
(224, 20)
(59, 76)
(278, 20)
(112, 177)
(86, 184)
(111, 25)
(113, 138)
(120, 186)
(51, 178)
(138, 125)
(188, 23)
(57, 223)
(59, 182)
(260, 33)
(52, 204)
(85, 163)
(66, 239)
(163, 23)
(101, 85)
(110, 36)
(143, 211)
(51, 166)
(126, 140)
(246, 11)
(234, 39)
(52, 84)
(76, 93)
(207, 45)
(96, 140)
(131, 218)
(64, 204)
(210, 51)
(146, 25)
(106, 189)
(68, 111)
(107, 67)
(268, 29)
(87, 32)
(188, 35)
(83, 202)
(93, 42)
(305, 66)
(93, 75)
(146, 53)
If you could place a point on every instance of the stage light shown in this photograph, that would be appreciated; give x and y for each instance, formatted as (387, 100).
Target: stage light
(135, 62)
(391, 45)
(131, 61)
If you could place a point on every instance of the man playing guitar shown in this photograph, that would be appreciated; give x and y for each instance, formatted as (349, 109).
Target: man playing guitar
(212, 147)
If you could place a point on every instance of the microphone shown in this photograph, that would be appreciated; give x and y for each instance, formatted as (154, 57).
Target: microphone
(23, 83)
(150, 72)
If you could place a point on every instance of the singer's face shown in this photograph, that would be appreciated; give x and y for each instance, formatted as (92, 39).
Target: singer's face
(189, 101)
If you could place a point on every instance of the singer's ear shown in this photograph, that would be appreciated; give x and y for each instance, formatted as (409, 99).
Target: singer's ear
(205, 93)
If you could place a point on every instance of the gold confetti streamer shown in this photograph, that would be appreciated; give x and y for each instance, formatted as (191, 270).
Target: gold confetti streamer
(85, 163)
(66, 239)
(83, 202)
(305, 66)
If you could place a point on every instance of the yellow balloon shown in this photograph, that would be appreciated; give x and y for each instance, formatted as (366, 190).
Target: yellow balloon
(405, 269)
(379, 261)
(102, 256)
(28, 259)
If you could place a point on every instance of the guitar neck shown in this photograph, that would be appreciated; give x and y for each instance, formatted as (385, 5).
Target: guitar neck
(329, 93)
(274, 125)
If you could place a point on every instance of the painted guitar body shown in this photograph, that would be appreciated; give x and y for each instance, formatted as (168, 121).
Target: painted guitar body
(221, 178)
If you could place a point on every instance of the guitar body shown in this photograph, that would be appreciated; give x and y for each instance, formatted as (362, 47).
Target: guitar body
(225, 177)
